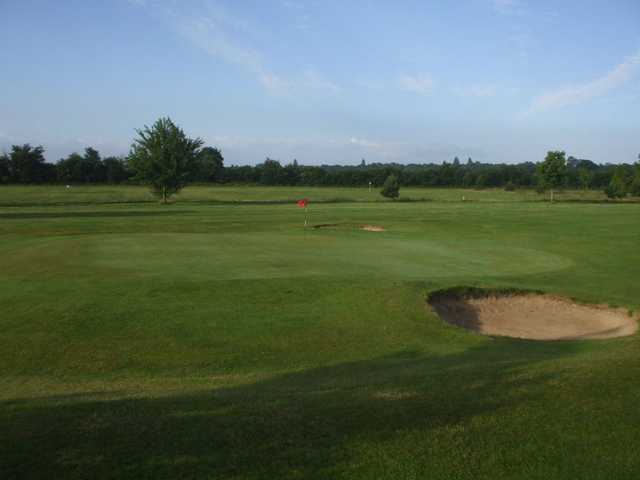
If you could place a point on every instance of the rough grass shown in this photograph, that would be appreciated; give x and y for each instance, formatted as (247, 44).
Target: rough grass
(226, 341)
(38, 195)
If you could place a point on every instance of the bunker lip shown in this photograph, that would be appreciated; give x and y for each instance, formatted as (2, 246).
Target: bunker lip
(359, 226)
(530, 315)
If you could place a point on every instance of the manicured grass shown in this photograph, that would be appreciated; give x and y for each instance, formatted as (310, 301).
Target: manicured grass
(203, 340)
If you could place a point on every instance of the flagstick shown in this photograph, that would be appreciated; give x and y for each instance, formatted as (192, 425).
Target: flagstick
(305, 216)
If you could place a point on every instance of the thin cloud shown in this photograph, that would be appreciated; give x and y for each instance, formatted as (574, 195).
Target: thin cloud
(313, 80)
(581, 93)
(224, 36)
(479, 91)
(422, 84)
(509, 7)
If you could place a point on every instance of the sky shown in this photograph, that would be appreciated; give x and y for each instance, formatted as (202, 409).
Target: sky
(327, 81)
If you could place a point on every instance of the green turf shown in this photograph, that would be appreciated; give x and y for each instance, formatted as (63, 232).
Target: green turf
(204, 340)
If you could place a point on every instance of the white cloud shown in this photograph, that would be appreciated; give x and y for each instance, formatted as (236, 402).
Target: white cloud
(576, 94)
(422, 83)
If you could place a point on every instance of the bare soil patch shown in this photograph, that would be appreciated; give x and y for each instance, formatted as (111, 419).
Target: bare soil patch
(350, 226)
(531, 315)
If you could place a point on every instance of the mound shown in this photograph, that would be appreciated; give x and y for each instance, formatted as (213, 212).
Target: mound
(530, 315)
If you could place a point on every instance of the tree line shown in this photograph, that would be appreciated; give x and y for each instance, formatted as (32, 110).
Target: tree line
(25, 164)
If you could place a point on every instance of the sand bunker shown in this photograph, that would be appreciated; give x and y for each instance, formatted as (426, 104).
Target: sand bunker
(349, 226)
(372, 228)
(532, 316)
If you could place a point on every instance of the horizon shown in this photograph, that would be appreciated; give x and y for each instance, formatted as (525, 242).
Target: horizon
(500, 81)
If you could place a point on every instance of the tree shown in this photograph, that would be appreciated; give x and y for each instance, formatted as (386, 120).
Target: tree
(164, 158)
(635, 184)
(4, 168)
(391, 187)
(585, 177)
(115, 170)
(27, 164)
(553, 171)
(70, 169)
(271, 172)
(291, 173)
(620, 183)
(210, 165)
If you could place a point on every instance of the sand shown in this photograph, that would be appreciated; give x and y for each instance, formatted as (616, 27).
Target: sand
(534, 316)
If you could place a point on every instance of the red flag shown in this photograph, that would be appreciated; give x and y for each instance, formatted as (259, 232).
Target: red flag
(303, 203)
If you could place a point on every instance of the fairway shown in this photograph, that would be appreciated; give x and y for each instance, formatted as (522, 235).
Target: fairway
(216, 337)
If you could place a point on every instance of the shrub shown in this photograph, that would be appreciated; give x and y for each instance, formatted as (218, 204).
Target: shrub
(391, 187)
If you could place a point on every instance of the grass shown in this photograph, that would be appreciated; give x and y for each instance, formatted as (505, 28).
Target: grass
(39, 195)
(205, 340)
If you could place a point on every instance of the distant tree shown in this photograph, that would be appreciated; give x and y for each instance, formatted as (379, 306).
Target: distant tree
(210, 165)
(363, 163)
(620, 183)
(271, 172)
(4, 168)
(27, 164)
(634, 189)
(91, 166)
(164, 158)
(391, 187)
(115, 170)
(482, 181)
(553, 171)
(291, 173)
(585, 177)
(468, 180)
(69, 170)
(456, 162)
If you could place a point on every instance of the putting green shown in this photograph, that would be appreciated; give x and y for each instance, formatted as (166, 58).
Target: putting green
(281, 255)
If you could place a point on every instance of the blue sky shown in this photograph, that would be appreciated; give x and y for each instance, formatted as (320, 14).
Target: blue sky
(327, 81)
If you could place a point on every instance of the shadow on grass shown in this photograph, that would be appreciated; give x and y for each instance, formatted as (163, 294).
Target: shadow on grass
(114, 214)
(301, 425)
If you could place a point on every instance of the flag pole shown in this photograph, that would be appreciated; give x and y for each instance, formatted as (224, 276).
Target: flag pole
(306, 215)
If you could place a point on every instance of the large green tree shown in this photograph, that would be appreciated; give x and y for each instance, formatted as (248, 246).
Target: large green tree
(553, 171)
(164, 158)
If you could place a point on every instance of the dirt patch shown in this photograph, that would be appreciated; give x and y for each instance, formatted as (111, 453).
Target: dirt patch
(531, 315)
(351, 226)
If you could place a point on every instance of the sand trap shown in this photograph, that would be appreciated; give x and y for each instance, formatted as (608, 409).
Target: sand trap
(372, 228)
(532, 316)
(367, 227)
